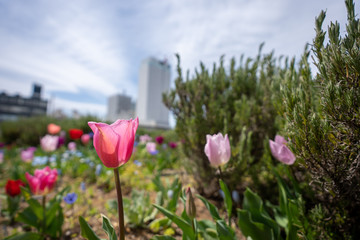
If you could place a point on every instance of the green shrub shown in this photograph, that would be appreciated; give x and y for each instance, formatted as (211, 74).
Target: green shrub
(27, 131)
(323, 121)
(239, 101)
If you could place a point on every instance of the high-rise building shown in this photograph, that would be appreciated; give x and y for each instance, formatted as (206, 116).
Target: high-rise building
(154, 80)
(13, 107)
(120, 106)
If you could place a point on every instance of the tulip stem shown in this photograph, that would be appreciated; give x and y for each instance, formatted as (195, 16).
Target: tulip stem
(120, 204)
(44, 213)
(221, 176)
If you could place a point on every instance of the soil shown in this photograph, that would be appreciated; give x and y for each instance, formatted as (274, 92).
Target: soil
(93, 204)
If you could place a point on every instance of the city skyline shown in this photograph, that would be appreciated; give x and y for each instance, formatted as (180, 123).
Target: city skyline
(85, 51)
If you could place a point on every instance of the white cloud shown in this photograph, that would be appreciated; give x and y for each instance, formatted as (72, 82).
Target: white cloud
(97, 46)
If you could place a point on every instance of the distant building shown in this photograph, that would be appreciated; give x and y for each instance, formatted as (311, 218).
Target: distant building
(13, 107)
(120, 106)
(154, 80)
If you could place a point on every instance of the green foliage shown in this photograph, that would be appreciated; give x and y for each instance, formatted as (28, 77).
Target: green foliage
(88, 233)
(137, 209)
(46, 219)
(20, 133)
(239, 101)
(323, 119)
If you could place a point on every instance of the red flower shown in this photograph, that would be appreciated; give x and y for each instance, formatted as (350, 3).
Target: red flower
(159, 139)
(75, 133)
(13, 187)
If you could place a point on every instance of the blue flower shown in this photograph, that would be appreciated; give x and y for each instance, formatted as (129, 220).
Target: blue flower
(137, 163)
(98, 169)
(70, 198)
(236, 196)
(82, 186)
(38, 160)
(136, 143)
(154, 152)
(170, 193)
(222, 194)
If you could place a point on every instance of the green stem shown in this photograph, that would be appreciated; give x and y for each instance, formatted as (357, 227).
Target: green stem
(120, 204)
(44, 213)
(220, 173)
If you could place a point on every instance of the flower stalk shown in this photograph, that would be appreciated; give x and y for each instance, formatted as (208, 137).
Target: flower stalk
(120, 204)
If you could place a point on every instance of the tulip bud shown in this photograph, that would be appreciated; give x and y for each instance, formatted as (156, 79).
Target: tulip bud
(190, 204)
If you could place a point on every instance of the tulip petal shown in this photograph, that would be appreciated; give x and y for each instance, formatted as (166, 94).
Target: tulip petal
(126, 144)
(280, 139)
(286, 156)
(106, 142)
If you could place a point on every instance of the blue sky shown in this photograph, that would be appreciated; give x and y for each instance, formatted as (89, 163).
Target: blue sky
(81, 51)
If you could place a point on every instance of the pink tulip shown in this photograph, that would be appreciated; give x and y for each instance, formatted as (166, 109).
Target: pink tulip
(85, 139)
(28, 154)
(280, 151)
(114, 143)
(1, 156)
(43, 180)
(217, 149)
(72, 146)
(49, 143)
(53, 128)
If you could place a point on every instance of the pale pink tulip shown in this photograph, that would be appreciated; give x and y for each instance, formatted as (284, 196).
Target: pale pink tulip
(43, 180)
(85, 139)
(49, 143)
(280, 151)
(53, 128)
(217, 149)
(114, 143)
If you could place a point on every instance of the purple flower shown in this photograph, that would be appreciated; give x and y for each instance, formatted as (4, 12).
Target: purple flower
(151, 148)
(28, 154)
(1, 156)
(172, 145)
(145, 138)
(280, 151)
(159, 139)
(70, 198)
(72, 146)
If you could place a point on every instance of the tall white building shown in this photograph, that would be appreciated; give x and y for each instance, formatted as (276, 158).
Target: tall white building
(154, 80)
(120, 106)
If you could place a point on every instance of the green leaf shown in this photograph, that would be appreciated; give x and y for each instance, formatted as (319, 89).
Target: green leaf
(224, 231)
(212, 209)
(86, 230)
(163, 238)
(254, 205)
(228, 200)
(158, 223)
(108, 228)
(181, 223)
(51, 213)
(36, 207)
(22, 236)
(255, 230)
(28, 217)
